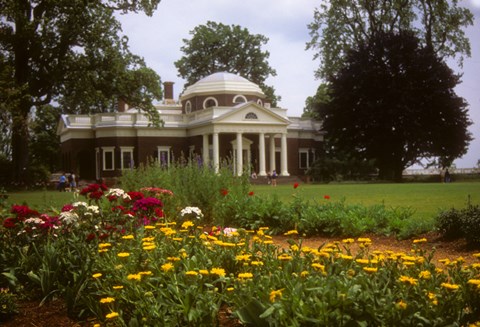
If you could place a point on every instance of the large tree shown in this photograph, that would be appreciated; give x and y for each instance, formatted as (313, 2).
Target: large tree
(340, 25)
(215, 47)
(71, 52)
(394, 101)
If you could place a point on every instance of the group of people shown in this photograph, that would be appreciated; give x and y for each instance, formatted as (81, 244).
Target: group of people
(67, 182)
(271, 177)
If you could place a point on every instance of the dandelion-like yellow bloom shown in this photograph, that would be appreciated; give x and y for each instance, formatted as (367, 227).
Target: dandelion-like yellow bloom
(318, 267)
(364, 240)
(291, 232)
(284, 257)
(421, 240)
(230, 289)
(401, 305)
(173, 259)
(149, 227)
(149, 247)
(97, 275)
(268, 242)
(107, 300)
(146, 273)
(425, 274)
(476, 255)
(345, 257)
(104, 245)
(474, 281)
(167, 231)
(370, 270)
(187, 224)
(134, 277)
(102, 250)
(245, 275)
(275, 294)
(117, 287)
(243, 257)
(191, 273)
(304, 273)
(449, 286)
(256, 263)
(166, 267)
(218, 271)
(408, 280)
(128, 237)
(203, 271)
(111, 315)
(123, 254)
(294, 247)
(348, 240)
(362, 261)
(148, 239)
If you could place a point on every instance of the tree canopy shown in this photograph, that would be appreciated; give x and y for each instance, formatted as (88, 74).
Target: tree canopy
(70, 52)
(215, 47)
(340, 25)
(394, 101)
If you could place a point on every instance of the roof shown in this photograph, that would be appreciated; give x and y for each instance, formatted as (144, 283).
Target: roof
(220, 83)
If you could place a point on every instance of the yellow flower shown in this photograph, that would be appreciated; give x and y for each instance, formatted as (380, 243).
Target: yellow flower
(364, 240)
(362, 261)
(173, 259)
(111, 315)
(118, 287)
(102, 250)
(149, 247)
(230, 289)
(291, 232)
(432, 297)
(294, 247)
(452, 287)
(97, 275)
(346, 257)
(304, 273)
(474, 281)
(284, 257)
(145, 273)
(243, 257)
(408, 280)
(148, 239)
(191, 273)
(425, 274)
(370, 269)
(203, 271)
(149, 227)
(256, 263)
(348, 240)
(421, 240)
(187, 224)
(134, 277)
(123, 254)
(245, 275)
(218, 271)
(104, 245)
(107, 300)
(167, 266)
(401, 305)
(128, 237)
(275, 294)
(318, 266)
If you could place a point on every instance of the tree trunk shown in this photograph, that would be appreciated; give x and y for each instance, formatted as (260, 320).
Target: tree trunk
(20, 141)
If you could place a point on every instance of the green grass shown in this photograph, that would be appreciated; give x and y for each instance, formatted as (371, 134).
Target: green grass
(41, 201)
(426, 200)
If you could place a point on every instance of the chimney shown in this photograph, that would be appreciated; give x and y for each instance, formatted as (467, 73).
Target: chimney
(168, 93)
(122, 106)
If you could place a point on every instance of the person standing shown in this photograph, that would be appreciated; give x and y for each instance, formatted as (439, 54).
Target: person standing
(62, 182)
(72, 181)
(274, 178)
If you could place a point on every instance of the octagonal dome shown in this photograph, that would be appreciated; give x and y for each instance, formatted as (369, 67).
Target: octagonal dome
(220, 83)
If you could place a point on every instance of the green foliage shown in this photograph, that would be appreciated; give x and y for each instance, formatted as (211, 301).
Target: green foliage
(8, 304)
(463, 223)
(215, 47)
(378, 101)
(339, 26)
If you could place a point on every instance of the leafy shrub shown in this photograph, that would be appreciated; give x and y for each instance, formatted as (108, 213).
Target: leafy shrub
(449, 224)
(470, 224)
(455, 224)
(8, 306)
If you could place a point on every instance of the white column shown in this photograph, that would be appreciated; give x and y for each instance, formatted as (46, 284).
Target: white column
(216, 155)
(239, 154)
(272, 153)
(261, 154)
(205, 150)
(283, 155)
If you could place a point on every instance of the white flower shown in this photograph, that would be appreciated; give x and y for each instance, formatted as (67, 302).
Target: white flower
(93, 209)
(119, 193)
(192, 211)
(80, 204)
(229, 231)
(69, 217)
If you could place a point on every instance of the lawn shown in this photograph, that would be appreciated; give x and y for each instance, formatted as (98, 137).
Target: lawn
(425, 199)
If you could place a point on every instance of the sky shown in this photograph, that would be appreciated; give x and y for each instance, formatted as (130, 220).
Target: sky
(158, 40)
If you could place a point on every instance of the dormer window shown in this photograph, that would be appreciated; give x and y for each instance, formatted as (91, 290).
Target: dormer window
(210, 102)
(239, 99)
(251, 115)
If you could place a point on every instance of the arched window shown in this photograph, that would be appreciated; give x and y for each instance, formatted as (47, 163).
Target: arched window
(259, 102)
(210, 102)
(239, 99)
(251, 115)
(188, 107)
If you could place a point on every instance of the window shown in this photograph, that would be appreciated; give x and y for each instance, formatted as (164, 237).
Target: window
(163, 156)
(251, 115)
(188, 107)
(108, 158)
(239, 99)
(303, 162)
(210, 102)
(126, 157)
(259, 102)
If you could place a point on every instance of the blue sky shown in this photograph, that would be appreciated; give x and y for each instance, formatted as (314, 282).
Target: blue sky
(158, 40)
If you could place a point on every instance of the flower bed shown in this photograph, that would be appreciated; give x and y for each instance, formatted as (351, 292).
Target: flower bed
(119, 259)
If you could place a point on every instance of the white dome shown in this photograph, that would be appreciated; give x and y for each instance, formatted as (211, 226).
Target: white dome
(222, 82)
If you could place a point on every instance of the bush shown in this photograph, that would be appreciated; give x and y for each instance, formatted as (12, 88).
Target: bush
(463, 223)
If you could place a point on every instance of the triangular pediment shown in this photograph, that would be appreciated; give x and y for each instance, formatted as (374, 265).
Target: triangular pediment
(251, 113)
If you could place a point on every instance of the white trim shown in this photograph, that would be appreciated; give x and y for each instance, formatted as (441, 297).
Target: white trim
(188, 107)
(300, 152)
(239, 96)
(164, 149)
(105, 150)
(208, 99)
(131, 163)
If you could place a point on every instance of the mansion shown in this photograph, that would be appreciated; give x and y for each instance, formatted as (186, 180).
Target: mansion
(223, 117)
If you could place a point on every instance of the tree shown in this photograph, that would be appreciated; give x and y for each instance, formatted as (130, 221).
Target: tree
(71, 52)
(314, 104)
(394, 101)
(340, 25)
(216, 47)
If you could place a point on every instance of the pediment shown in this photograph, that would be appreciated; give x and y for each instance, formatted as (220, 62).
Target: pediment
(251, 113)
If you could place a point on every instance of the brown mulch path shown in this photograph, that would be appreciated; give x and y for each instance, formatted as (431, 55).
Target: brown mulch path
(53, 314)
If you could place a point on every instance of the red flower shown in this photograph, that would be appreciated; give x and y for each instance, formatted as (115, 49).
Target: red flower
(9, 223)
(224, 191)
(135, 195)
(251, 193)
(326, 197)
(295, 185)
(90, 237)
(67, 207)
